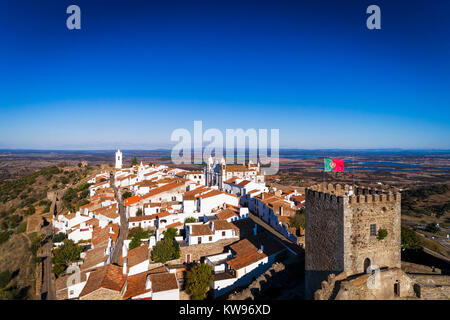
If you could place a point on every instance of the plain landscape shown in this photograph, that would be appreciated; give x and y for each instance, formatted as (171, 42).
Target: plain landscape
(26, 176)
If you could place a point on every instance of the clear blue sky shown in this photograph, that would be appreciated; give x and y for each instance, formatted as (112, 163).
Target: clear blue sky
(137, 70)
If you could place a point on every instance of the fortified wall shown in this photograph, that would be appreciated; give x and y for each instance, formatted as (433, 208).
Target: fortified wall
(342, 223)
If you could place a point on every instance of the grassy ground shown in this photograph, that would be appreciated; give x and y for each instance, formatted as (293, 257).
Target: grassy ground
(15, 256)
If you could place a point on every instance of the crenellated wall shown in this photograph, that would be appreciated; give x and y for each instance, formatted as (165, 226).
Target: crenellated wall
(338, 238)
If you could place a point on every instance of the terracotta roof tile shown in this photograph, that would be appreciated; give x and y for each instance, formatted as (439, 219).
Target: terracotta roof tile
(201, 230)
(108, 277)
(132, 200)
(163, 281)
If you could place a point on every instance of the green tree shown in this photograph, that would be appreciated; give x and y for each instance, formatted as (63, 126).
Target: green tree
(165, 250)
(190, 220)
(59, 237)
(127, 194)
(298, 220)
(134, 243)
(65, 254)
(170, 233)
(199, 280)
(139, 212)
(134, 162)
(410, 240)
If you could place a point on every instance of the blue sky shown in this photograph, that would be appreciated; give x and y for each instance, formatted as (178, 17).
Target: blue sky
(137, 70)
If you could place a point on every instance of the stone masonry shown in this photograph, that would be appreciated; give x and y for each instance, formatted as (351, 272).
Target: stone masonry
(338, 231)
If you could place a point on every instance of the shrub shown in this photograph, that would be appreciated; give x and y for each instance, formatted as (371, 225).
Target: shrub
(22, 227)
(36, 244)
(139, 212)
(190, 220)
(4, 235)
(382, 233)
(30, 210)
(5, 278)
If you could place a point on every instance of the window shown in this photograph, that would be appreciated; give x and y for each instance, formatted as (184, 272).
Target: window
(199, 240)
(223, 233)
(373, 229)
(210, 238)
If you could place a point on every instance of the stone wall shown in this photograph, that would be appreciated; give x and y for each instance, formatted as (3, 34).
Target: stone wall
(359, 213)
(328, 286)
(364, 287)
(324, 239)
(338, 231)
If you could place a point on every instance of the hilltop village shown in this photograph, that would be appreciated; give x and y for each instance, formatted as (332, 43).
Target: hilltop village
(146, 226)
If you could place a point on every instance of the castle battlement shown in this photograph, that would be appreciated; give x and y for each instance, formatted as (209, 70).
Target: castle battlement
(336, 193)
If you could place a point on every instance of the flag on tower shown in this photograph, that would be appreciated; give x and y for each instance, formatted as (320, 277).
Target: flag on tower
(334, 164)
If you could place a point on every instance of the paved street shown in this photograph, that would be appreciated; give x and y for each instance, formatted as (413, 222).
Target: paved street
(123, 230)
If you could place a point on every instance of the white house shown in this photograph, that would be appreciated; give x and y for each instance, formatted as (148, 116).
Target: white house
(215, 199)
(213, 231)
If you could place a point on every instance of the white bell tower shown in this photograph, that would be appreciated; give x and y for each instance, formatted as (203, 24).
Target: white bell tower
(118, 159)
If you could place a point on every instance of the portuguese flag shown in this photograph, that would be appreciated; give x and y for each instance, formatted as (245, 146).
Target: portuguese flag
(334, 164)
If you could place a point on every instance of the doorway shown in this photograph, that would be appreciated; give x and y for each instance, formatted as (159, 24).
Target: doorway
(367, 264)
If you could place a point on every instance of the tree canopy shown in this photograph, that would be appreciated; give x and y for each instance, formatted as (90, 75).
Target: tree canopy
(165, 250)
(190, 220)
(297, 221)
(65, 254)
(410, 240)
(199, 280)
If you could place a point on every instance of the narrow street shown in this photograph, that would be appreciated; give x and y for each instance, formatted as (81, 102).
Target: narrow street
(286, 242)
(123, 230)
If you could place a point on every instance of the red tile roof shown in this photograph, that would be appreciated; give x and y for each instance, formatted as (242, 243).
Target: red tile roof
(201, 230)
(132, 200)
(108, 277)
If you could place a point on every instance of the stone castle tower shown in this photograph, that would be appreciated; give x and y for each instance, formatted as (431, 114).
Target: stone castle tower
(118, 159)
(341, 231)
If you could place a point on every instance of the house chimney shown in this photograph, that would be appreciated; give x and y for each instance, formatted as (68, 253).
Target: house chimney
(111, 230)
(261, 250)
(125, 267)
